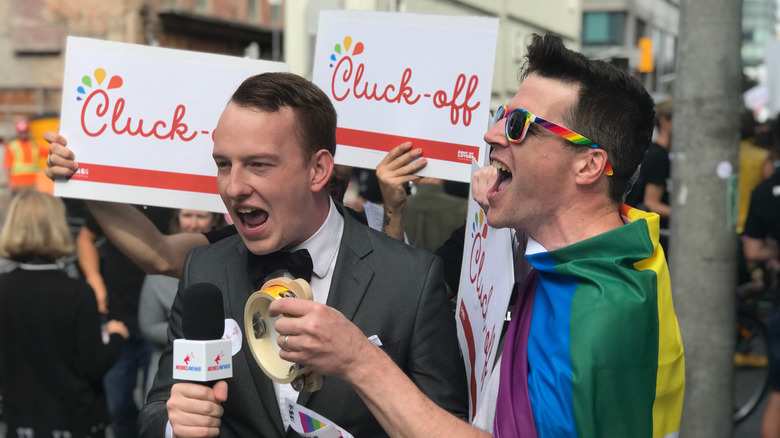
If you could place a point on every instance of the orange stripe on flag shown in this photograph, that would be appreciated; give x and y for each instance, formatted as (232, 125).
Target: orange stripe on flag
(454, 152)
(156, 179)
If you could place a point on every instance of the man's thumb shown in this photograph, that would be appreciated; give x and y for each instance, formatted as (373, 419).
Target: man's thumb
(220, 391)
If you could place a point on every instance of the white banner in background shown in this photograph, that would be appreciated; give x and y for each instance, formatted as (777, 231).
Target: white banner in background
(486, 281)
(395, 77)
(141, 120)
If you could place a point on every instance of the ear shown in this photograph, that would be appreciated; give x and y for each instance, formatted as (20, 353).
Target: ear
(590, 167)
(321, 169)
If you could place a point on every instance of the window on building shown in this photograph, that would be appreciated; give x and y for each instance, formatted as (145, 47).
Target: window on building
(251, 10)
(641, 29)
(603, 27)
(202, 5)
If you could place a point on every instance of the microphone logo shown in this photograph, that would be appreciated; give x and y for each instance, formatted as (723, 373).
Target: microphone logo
(217, 367)
(187, 366)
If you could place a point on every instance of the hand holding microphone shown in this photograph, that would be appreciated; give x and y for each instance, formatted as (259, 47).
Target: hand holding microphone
(202, 356)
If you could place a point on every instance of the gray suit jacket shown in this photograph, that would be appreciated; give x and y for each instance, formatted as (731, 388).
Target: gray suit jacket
(383, 286)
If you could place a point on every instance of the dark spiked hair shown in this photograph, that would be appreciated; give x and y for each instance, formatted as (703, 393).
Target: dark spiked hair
(613, 109)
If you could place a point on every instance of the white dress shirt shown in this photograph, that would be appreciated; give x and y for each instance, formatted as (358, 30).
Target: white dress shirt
(323, 246)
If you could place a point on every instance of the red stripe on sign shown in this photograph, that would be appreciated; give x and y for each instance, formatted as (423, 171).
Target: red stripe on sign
(472, 354)
(155, 179)
(458, 153)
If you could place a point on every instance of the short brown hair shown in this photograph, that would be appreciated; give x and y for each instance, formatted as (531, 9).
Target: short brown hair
(315, 115)
(36, 228)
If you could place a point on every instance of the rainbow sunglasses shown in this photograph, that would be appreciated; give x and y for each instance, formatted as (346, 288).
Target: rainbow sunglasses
(519, 119)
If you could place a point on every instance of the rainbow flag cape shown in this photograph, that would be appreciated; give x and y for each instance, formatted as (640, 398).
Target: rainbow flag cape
(594, 349)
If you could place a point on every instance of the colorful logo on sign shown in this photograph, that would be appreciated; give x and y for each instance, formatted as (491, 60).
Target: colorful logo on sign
(357, 50)
(100, 76)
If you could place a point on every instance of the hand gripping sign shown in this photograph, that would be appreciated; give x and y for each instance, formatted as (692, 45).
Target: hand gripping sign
(262, 336)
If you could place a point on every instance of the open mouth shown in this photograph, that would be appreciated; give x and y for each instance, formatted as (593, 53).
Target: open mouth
(251, 218)
(504, 176)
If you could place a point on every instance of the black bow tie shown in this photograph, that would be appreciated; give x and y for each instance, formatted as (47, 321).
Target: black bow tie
(297, 263)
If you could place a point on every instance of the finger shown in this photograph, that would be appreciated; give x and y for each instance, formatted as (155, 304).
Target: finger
(412, 167)
(193, 392)
(53, 137)
(284, 342)
(396, 152)
(221, 391)
(290, 306)
(398, 157)
(61, 151)
(185, 424)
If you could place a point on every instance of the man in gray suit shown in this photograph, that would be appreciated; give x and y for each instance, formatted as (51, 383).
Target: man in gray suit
(274, 147)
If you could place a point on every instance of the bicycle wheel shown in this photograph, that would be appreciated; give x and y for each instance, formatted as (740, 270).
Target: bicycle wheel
(751, 376)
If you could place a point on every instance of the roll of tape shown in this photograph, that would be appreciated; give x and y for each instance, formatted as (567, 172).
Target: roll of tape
(262, 336)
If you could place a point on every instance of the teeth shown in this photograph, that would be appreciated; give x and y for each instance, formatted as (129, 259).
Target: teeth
(244, 210)
(500, 166)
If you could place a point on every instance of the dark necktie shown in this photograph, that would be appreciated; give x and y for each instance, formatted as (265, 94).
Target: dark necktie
(297, 263)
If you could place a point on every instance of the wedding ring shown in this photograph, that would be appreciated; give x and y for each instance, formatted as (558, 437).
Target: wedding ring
(284, 345)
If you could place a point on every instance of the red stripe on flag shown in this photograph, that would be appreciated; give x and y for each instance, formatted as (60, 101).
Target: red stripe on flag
(454, 152)
(156, 179)
(469, 335)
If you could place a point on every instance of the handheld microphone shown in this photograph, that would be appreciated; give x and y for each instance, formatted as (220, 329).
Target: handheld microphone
(202, 356)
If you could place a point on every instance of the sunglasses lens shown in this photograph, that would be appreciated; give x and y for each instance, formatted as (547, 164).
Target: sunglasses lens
(500, 112)
(515, 124)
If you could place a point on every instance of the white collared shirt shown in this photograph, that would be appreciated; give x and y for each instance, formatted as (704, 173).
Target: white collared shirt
(323, 246)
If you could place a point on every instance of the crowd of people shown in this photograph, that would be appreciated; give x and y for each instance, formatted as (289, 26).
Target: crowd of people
(592, 349)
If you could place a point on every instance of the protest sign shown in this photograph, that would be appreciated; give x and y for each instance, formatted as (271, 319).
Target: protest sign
(141, 121)
(407, 77)
(486, 280)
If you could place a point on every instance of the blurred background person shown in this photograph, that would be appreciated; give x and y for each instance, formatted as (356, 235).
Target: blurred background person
(653, 187)
(22, 159)
(117, 281)
(432, 214)
(760, 242)
(52, 352)
(158, 291)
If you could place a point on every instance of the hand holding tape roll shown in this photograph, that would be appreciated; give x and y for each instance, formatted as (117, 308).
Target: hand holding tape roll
(262, 336)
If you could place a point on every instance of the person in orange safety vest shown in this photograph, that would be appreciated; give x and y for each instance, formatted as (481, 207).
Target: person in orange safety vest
(22, 159)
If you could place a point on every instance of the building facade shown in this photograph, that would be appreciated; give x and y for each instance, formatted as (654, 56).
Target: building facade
(612, 29)
(33, 38)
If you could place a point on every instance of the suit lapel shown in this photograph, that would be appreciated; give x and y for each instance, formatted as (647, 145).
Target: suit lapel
(351, 276)
(239, 289)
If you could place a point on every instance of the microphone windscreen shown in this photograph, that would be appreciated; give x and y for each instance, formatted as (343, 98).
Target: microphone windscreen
(202, 317)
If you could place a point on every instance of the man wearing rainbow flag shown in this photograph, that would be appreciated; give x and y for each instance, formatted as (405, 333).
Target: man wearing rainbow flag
(593, 349)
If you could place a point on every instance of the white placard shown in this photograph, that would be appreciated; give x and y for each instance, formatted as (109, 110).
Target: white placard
(395, 77)
(141, 120)
(486, 281)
